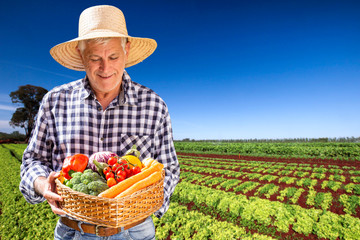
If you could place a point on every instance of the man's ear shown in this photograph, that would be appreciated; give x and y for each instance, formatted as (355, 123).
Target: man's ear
(127, 49)
(78, 50)
(81, 56)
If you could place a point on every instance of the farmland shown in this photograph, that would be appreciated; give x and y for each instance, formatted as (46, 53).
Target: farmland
(280, 192)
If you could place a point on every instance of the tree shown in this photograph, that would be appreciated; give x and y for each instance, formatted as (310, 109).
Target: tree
(30, 96)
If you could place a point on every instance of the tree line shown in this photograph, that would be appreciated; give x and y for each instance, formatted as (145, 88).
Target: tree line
(15, 136)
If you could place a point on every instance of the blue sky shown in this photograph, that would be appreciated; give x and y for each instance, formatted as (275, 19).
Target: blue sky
(226, 69)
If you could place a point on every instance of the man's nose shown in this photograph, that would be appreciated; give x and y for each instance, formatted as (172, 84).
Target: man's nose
(104, 65)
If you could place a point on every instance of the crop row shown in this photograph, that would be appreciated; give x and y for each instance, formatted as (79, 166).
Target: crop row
(348, 202)
(180, 223)
(16, 150)
(267, 216)
(258, 168)
(330, 184)
(270, 167)
(19, 219)
(343, 151)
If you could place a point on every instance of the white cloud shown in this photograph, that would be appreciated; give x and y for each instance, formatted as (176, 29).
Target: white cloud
(5, 127)
(4, 124)
(38, 69)
(7, 107)
(5, 98)
(6, 103)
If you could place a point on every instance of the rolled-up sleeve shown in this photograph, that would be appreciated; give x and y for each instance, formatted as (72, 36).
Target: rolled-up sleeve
(167, 156)
(36, 160)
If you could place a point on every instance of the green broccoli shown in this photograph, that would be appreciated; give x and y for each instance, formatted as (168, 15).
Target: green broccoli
(89, 176)
(88, 171)
(76, 179)
(75, 174)
(87, 182)
(81, 187)
(96, 187)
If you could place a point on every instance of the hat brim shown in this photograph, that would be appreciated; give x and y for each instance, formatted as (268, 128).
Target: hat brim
(67, 55)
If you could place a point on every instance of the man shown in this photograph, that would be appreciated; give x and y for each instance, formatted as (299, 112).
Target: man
(105, 111)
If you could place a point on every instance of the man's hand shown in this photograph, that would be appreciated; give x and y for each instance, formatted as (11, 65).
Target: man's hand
(47, 188)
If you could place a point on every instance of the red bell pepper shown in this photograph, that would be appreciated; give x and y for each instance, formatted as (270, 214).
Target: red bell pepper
(75, 163)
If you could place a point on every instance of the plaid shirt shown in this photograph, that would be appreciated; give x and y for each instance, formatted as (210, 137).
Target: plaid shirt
(70, 120)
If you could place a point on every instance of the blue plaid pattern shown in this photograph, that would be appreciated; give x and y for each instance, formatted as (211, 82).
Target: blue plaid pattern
(70, 120)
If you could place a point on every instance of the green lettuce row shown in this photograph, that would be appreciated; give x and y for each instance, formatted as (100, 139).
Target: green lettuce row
(230, 163)
(332, 185)
(16, 149)
(301, 181)
(353, 188)
(355, 179)
(185, 224)
(314, 198)
(354, 172)
(341, 151)
(272, 167)
(350, 203)
(270, 214)
(259, 165)
(19, 219)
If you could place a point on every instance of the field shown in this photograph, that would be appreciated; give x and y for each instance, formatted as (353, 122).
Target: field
(236, 194)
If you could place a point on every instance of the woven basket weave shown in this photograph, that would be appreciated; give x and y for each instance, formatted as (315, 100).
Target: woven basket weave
(112, 212)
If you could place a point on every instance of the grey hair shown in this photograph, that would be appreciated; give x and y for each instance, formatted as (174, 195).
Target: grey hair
(82, 44)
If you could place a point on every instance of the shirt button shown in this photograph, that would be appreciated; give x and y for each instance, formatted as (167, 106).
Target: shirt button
(99, 108)
(101, 139)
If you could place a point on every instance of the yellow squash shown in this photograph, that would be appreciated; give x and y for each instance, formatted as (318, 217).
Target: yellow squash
(131, 159)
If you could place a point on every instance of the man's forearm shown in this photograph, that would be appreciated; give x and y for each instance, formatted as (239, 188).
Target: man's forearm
(39, 185)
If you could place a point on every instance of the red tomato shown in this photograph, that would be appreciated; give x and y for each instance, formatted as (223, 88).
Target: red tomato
(106, 170)
(128, 171)
(112, 161)
(116, 167)
(111, 182)
(109, 175)
(119, 178)
(123, 161)
(136, 170)
(121, 172)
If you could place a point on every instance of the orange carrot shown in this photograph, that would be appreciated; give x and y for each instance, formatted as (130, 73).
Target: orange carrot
(156, 162)
(151, 162)
(147, 162)
(123, 185)
(153, 178)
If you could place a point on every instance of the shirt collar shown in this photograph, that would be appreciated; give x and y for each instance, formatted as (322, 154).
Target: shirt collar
(85, 91)
(127, 96)
(129, 92)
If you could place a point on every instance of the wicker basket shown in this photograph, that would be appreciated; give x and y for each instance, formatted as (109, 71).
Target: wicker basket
(112, 212)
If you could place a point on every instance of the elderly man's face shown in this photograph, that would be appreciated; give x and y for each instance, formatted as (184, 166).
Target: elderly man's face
(104, 65)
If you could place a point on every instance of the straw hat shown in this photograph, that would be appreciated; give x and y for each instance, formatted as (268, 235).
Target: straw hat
(101, 22)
